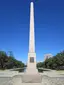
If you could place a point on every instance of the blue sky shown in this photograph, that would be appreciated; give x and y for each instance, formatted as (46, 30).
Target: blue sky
(14, 27)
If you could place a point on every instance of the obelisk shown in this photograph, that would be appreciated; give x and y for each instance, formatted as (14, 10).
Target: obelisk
(31, 64)
(31, 75)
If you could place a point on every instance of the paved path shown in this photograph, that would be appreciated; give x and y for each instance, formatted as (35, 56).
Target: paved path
(17, 80)
(48, 78)
(52, 80)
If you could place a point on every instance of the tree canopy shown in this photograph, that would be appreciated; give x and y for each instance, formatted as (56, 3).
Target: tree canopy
(8, 62)
(56, 62)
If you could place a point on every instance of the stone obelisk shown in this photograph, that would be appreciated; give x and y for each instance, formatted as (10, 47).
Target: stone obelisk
(31, 64)
(31, 75)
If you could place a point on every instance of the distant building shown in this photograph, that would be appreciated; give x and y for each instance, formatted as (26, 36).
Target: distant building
(39, 61)
(47, 56)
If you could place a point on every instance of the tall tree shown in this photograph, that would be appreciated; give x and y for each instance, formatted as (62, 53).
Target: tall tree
(3, 59)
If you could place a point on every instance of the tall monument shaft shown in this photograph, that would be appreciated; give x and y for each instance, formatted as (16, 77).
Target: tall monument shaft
(32, 35)
(31, 64)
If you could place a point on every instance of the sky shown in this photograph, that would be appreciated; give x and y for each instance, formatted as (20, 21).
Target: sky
(49, 27)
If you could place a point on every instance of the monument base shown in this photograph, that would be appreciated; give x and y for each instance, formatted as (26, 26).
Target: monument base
(31, 64)
(31, 71)
(31, 78)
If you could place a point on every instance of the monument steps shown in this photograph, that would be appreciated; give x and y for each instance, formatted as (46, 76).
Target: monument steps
(34, 78)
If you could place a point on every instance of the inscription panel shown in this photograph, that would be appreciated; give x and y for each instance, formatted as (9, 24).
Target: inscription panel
(31, 59)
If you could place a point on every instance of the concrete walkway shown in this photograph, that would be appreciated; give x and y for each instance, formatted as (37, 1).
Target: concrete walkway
(15, 78)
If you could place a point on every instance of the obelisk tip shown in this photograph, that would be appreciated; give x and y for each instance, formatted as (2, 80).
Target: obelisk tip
(31, 2)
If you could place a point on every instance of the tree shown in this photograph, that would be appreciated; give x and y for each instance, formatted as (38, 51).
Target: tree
(40, 64)
(13, 63)
(9, 62)
(3, 59)
(56, 62)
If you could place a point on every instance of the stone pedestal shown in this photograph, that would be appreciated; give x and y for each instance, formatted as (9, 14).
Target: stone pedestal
(31, 64)
(32, 78)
